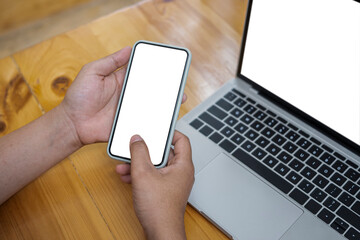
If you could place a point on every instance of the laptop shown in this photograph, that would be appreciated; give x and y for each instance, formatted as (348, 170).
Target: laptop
(276, 150)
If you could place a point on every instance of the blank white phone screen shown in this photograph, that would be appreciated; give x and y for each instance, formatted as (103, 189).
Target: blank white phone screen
(149, 99)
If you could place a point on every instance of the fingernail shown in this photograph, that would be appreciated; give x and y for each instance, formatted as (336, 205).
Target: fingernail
(135, 138)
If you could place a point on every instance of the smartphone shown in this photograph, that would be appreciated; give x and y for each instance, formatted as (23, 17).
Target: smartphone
(150, 100)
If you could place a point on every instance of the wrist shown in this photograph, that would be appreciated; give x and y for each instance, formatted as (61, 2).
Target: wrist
(66, 126)
(166, 228)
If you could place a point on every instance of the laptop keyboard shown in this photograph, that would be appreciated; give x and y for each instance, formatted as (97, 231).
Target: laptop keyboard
(313, 174)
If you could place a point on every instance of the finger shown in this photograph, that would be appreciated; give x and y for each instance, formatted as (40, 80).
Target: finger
(140, 158)
(123, 169)
(182, 148)
(109, 64)
(184, 98)
(126, 179)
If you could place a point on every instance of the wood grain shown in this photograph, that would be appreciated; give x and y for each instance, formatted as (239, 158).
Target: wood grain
(17, 105)
(54, 206)
(16, 13)
(209, 29)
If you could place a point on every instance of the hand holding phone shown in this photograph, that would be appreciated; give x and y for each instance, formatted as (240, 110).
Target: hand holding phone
(150, 100)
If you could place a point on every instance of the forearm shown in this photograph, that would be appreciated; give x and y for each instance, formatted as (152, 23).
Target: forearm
(31, 150)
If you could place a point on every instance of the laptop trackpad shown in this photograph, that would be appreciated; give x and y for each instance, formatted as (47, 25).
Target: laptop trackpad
(240, 203)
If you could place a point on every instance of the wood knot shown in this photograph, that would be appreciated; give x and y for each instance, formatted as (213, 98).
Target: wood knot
(60, 85)
(2, 126)
(17, 93)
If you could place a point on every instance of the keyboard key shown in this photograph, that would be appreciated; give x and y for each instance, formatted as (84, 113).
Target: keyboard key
(327, 158)
(313, 206)
(271, 113)
(248, 146)
(196, 123)
(224, 104)
(259, 153)
(333, 190)
(340, 166)
(282, 120)
(263, 171)
(346, 199)
(271, 122)
(246, 119)
(241, 128)
(257, 125)
(273, 149)
(289, 147)
(320, 181)
(216, 137)
(313, 162)
(251, 100)
(261, 107)
(262, 142)
(279, 140)
(306, 186)
(293, 177)
(351, 187)
(267, 132)
(318, 195)
(292, 136)
(250, 109)
(315, 150)
(260, 115)
(230, 96)
(351, 164)
(236, 112)
(298, 196)
(338, 179)
(303, 143)
(338, 155)
(356, 207)
(352, 234)
(227, 145)
(284, 157)
(240, 102)
(293, 127)
(252, 135)
(338, 227)
(270, 161)
(326, 215)
(304, 133)
(282, 169)
(231, 121)
(211, 121)
(331, 204)
(327, 148)
(206, 130)
(227, 132)
(237, 139)
(349, 217)
(301, 154)
(238, 93)
(217, 112)
(308, 173)
(314, 140)
(280, 128)
(342, 224)
(352, 174)
(325, 170)
(296, 165)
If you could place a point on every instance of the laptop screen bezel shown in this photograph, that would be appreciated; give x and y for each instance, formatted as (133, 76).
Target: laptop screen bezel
(331, 133)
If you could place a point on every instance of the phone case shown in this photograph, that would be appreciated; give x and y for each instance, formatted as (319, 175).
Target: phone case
(176, 110)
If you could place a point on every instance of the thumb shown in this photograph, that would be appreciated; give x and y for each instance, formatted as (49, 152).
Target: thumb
(140, 158)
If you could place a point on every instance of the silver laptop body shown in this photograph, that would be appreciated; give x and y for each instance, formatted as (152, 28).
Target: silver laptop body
(265, 169)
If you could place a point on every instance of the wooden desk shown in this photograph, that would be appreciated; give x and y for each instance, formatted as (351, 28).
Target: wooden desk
(82, 197)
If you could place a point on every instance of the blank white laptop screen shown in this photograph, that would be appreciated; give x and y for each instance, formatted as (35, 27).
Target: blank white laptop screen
(309, 55)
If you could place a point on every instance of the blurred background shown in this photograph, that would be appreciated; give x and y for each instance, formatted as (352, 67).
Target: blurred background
(26, 22)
